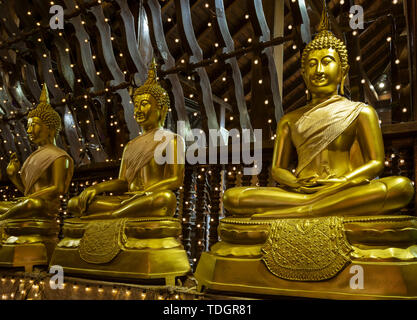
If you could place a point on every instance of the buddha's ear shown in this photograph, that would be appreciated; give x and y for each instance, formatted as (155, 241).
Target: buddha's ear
(51, 131)
(342, 84)
(345, 72)
(304, 76)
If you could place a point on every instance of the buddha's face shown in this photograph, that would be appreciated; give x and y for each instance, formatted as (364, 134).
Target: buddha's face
(323, 72)
(146, 110)
(38, 131)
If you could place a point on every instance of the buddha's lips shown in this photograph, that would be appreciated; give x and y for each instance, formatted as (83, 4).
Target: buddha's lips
(319, 81)
(319, 78)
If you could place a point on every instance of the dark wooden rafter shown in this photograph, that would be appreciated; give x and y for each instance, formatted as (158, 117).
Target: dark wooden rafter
(410, 9)
(131, 43)
(116, 73)
(226, 41)
(158, 39)
(245, 70)
(85, 59)
(206, 35)
(84, 70)
(23, 87)
(191, 46)
(173, 30)
(267, 62)
(70, 131)
(13, 133)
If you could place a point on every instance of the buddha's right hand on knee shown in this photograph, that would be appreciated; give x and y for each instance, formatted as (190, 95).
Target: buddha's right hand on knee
(85, 198)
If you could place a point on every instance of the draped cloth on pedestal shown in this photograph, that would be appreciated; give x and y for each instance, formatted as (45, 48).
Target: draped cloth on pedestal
(102, 241)
(306, 249)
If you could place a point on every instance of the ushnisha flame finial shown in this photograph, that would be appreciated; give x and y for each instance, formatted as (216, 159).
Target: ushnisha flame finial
(152, 77)
(325, 39)
(152, 87)
(324, 21)
(44, 98)
(45, 112)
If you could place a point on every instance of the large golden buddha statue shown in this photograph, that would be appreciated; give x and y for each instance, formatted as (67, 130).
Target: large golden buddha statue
(333, 211)
(339, 147)
(132, 233)
(43, 178)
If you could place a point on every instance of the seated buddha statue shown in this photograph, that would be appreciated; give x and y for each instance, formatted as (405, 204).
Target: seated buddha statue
(331, 215)
(46, 173)
(339, 147)
(144, 187)
(28, 226)
(131, 233)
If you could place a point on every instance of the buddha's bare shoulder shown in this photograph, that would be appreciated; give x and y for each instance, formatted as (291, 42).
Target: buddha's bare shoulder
(292, 117)
(368, 110)
(368, 113)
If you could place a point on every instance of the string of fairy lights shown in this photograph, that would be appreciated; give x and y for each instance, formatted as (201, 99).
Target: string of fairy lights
(79, 10)
(68, 99)
(37, 286)
(87, 96)
(26, 288)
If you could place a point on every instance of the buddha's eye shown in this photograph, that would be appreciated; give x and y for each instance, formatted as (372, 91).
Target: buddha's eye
(326, 61)
(312, 64)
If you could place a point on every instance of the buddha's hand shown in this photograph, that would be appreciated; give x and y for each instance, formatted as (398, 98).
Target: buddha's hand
(134, 196)
(340, 184)
(14, 165)
(86, 197)
(307, 181)
(314, 183)
(332, 181)
(343, 181)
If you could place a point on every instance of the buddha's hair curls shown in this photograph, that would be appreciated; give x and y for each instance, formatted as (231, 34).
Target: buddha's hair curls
(325, 40)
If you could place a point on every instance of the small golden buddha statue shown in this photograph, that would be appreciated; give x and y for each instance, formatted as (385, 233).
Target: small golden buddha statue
(46, 173)
(43, 178)
(132, 234)
(144, 187)
(331, 221)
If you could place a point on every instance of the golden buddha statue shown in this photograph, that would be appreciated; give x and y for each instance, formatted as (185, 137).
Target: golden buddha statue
(144, 187)
(139, 216)
(331, 212)
(43, 178)
(339, 147)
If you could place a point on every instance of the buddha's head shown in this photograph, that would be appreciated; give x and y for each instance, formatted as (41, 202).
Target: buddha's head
(151, 102)
(44, 122)
(324, 62)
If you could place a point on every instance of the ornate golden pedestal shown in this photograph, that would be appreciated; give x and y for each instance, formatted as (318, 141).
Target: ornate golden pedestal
(355, 258)
(133, 248)
(27, 242)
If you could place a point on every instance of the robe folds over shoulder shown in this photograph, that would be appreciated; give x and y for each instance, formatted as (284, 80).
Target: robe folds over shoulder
(140, 151)
(39, 161)
(321, 125)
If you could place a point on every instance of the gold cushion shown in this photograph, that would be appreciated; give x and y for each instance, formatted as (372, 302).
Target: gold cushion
(397, 230)
(243, 230)
(21, 227)
(382, 230)
(141, 228)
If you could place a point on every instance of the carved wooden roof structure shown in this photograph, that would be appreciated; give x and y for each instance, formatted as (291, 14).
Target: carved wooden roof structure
(215, 56)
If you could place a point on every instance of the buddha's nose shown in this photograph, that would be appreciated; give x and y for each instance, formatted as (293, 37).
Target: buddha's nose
(320, 68)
